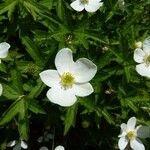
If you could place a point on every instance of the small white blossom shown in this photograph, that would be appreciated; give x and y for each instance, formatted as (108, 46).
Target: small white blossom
(17, 145)
(131, 134)
(1, 89)
(142, 56)
(43, 148)
(88, 5)
(59, 148)
(71, 78)
(46, 137)
(4, 47)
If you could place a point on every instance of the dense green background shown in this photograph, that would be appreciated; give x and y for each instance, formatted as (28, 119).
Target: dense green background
(36, 30)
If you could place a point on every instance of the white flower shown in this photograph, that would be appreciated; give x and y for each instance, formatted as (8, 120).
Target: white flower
(4, 47)
(17, 145)
(71, 78)
(1, 89)
(44, 148)
(88, 5)
(59, 148)
(131, 134)
(142, 56)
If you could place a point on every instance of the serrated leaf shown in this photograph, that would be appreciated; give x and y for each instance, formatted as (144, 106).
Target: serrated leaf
(10, 92)
(35, 107)
(10, 113)
(70, 117)
(23, 122)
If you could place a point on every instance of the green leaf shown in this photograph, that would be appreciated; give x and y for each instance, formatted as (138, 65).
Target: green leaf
(23, 122)
(10, 92)
(70, 117)
(35, 107)
(17, 80)
(32, 50)
(36, 90)
(10, 113)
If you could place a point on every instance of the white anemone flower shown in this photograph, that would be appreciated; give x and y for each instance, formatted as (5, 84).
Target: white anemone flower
(17, 145)
(131, 134)
(88, 5)
(142, 56)
(71, 78)
(4, 47)
(59, 147)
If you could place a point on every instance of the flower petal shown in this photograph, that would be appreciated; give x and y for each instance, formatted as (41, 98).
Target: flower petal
(143, 70)
(59, 148)
(76, 5)
(50, 77)
(137, 144)
(146, 45)
(122, 143)
(24, 144)
(83, 89)
(64, 61)
(61, 96)
(84, 70)
(11, 143)
(4, 47)
(93, 5)
(1, 89)
(123, 130)
(143, 132)
(43, 148)
(131, 123)
(139, 55)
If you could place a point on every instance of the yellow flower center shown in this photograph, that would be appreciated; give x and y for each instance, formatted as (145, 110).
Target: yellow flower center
(131, 135)
(84, 1)
(67, 80)
(147, 60)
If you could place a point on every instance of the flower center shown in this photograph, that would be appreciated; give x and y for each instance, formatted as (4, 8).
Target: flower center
(147, 60)
(131, 135)
(67, 80)
(84, 1)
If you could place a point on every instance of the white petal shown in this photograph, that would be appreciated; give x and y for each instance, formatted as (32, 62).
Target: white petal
(123, 127)
(122, 143)
(43, 148)
(131, 123)
(17, 147)
(93, 5)
(11, 143)
(24, 145)
(59, 148)
(137, 145)
(50, 77)
(143, 70)
(61, 97)
(84, 70)
(143, 132)
(64, 61)
(146, 45)
(83, 89)
(123, 130)
(4, 47)
(76, 5)
(1, 89)
(139, 55)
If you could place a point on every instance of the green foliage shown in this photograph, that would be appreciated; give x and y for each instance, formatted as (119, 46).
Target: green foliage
(36, 31)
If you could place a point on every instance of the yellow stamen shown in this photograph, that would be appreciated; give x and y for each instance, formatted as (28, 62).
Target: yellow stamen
(84, 1)
(67, 80)
(131, 135)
